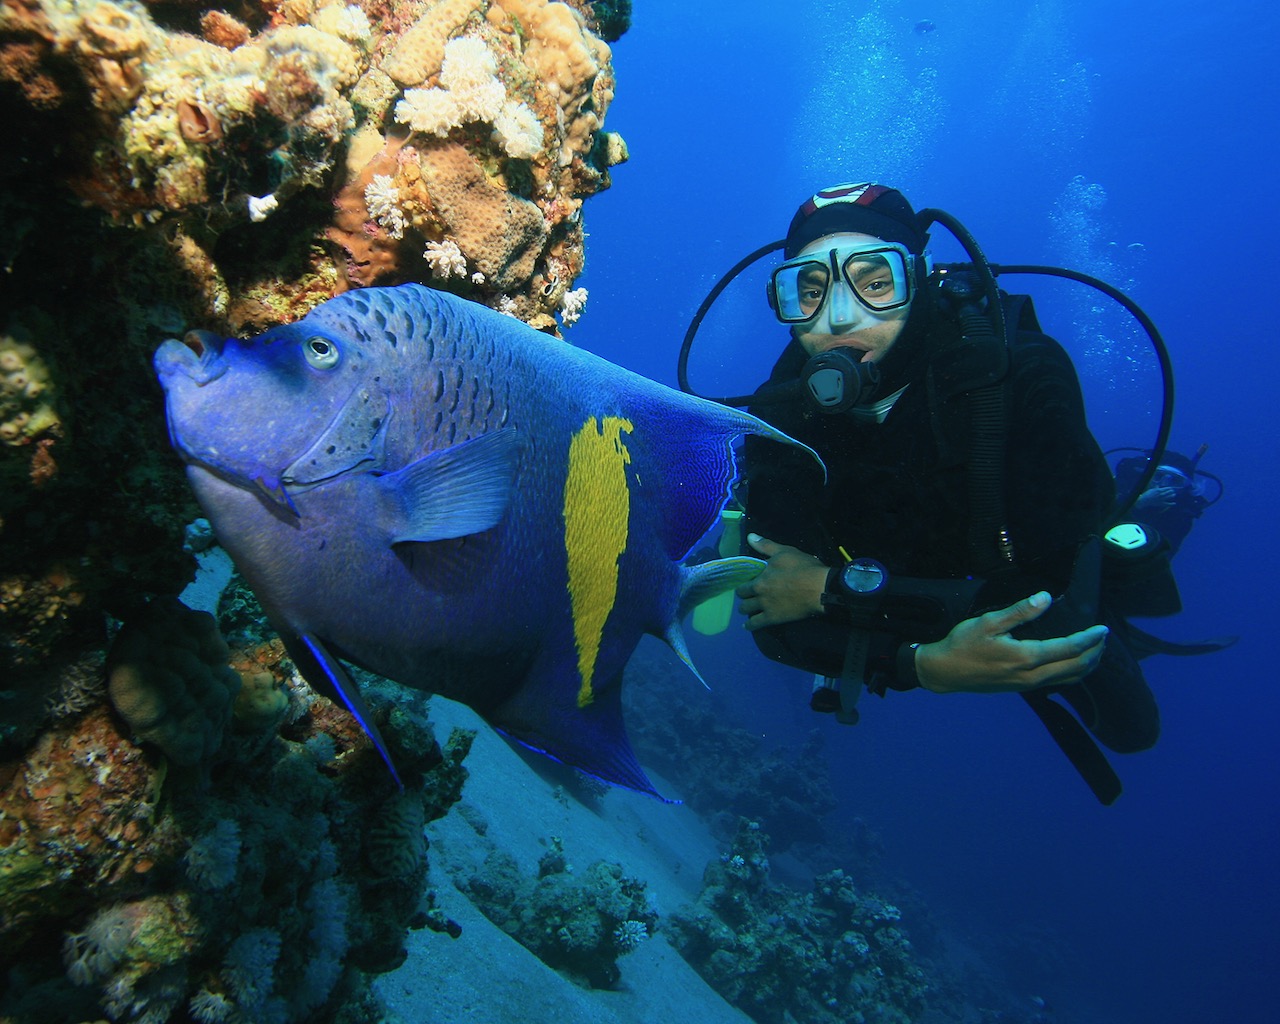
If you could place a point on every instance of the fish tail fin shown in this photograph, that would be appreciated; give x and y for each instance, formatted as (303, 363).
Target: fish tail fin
(701, 583)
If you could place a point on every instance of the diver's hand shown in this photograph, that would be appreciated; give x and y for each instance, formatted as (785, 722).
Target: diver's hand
(980, 656)
(788, 588)
(1156, 499)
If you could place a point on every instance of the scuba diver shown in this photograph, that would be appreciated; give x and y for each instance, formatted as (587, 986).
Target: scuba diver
(1176, 496)
(955, 540)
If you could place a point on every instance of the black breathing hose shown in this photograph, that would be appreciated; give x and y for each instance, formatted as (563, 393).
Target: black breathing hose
(682, 363)
(1162, 357)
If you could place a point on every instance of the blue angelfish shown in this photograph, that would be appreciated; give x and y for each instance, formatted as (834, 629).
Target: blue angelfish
(418, 485)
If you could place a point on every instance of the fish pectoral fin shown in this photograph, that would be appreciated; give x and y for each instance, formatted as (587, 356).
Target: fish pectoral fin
(454, 492)
(325, 674)
(271, 488)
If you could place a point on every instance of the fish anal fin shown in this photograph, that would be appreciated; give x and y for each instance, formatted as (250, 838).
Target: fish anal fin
(546, 718)
(674, 638)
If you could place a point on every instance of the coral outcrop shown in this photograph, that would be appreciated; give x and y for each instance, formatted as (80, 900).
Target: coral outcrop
(580, 925)
(835, 955)
(213, 125)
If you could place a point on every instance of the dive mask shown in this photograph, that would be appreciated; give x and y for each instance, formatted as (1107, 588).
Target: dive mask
(880, 275)
(1170, 476)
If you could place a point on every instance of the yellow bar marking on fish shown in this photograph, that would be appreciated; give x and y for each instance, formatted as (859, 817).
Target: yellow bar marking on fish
(597, 510)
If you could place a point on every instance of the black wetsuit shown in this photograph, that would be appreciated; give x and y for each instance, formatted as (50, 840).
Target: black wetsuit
(897, 491)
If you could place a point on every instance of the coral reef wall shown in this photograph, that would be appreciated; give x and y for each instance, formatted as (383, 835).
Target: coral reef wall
(171, 166)
(217, 843)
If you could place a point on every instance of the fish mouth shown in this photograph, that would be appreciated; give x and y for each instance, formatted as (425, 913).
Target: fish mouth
(198, 357)
(184, 367)
(195, 360)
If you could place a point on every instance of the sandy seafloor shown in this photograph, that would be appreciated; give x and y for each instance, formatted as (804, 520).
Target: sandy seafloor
(484, 975)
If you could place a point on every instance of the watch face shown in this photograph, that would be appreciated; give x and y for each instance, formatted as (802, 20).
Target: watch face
(863, 576)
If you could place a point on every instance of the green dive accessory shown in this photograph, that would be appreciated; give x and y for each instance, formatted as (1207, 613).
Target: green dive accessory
(713, 615)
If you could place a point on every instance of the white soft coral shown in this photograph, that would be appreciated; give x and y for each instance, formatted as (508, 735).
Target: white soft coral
(445, 259)
(469, 91)
(430, 111)
(519, 131)
(572, 305)
(383, 202)
(92, 955)
(468, 64)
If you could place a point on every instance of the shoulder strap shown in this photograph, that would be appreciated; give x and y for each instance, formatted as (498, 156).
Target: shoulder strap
(1019, 311)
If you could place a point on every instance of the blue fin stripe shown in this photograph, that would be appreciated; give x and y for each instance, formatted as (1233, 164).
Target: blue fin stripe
(341, 682)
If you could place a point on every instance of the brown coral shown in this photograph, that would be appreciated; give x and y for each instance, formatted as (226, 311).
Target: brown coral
(73, 814)
(500, 233)
(261, 703)
(112, 44)
(27, 391)
(112, 31)
(417, 55)
(22, 63)
(369, 255)
(169, 679)
(221, 29)
(37, 615)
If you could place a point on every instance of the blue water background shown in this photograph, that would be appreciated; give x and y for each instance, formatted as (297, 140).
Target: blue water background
(1135, 141)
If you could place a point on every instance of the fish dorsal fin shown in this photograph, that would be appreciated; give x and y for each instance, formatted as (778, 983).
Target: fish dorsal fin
(457, 491)
(325, 674)
(690, 441)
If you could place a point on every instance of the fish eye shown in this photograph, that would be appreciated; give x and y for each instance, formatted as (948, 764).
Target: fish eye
(321, 353)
